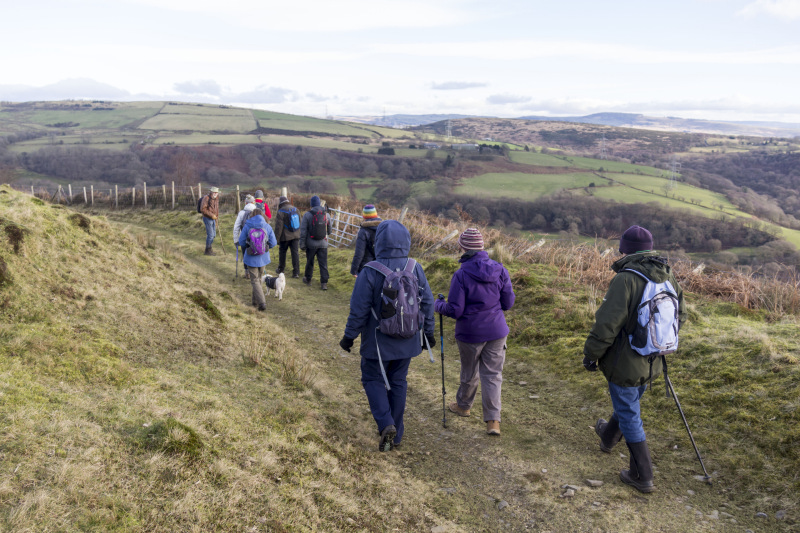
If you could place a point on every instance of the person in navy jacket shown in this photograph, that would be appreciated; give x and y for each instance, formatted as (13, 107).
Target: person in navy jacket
(387, 403)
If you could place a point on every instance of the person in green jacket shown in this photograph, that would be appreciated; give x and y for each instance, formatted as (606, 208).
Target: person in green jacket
(608, 348)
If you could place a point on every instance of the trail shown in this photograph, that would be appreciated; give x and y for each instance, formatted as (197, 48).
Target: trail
(514, 482)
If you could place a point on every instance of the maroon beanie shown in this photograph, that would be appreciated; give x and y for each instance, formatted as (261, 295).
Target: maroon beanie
(635, 239)
(471, 239)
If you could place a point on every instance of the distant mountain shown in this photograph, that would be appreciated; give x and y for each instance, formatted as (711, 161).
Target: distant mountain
(71, 89)
(689, 125)
(620, 120)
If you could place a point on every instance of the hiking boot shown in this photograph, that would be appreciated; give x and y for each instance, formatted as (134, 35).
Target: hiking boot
(295, 276)
(609, 433)
(262, 307)
(493, 427)
(453, 406)
(306, 280)
(278, 271)
(387, 438)
(323, 286)
(209, 251)
(640, 475)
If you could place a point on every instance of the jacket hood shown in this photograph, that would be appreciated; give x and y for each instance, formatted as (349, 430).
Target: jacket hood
(648, 263)
(392, 239)
(371, 223)
(249, 207)
(479, 267)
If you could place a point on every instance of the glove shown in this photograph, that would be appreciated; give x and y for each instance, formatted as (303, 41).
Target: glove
(346, 344)
(589, 364)
(439, 306)
(431, 340)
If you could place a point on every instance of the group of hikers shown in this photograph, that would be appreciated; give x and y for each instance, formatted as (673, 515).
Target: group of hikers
(392, 310)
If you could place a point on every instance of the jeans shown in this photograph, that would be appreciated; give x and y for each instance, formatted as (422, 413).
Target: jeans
(211, 230)
(626, 406)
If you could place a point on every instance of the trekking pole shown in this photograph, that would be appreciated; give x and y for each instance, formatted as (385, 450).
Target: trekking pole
(237, 264)
(216, 230)
(441, 344)
(706, 477)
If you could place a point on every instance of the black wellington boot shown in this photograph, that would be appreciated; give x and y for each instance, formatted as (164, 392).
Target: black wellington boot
(609, 433)
(640, 475)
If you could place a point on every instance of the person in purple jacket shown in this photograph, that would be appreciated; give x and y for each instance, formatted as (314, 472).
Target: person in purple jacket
(479, 293)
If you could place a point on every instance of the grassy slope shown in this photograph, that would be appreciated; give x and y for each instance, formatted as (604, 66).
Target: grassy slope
(133, 410)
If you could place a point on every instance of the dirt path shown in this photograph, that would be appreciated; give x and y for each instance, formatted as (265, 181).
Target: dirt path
(510, 483)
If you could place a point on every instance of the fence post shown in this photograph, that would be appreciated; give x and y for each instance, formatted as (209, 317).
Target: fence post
(402, 214)
(238, 200)
(285, 191)
(33, 193)
(199, 191)
(85, 198)
(133, 196)
(110, 196)
(193, 200)
(173, 195)
(440, 243)
(92, 195)
(69, 186)
(116, 197)
(164, 190)
(144, 185)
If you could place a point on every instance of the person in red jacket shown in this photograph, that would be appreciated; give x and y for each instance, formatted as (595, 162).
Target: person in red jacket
(261, 204)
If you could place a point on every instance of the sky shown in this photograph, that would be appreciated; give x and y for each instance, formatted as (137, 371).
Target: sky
(708, 59)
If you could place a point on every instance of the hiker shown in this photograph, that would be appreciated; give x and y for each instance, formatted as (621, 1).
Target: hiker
(479, 293)
(365, 240)
(209, 207)
(257, 236)
(609, 348)
(314, 231)
(260, 203)
(241, 218)
(287, 231)
(381, 353)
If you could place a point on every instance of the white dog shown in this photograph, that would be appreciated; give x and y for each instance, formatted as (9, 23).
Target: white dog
(275, 282)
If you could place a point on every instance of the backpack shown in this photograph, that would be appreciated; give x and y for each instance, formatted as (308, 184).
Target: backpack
(319, 223)
(657, 324)
(401, 317)
(294, 219)
(200, 203)
(257, 241)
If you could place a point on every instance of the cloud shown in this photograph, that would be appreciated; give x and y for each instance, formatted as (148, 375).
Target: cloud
(199, 87)
(783, 9)
(502, 99)
(456, 85)
(326, 16)
(263, 95)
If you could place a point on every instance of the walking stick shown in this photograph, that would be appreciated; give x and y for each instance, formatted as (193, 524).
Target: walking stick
(706, 477)
(237, 264)
(216, 230)
(441, 344)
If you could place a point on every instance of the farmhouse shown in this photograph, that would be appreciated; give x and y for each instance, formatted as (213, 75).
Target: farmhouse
(465, 147)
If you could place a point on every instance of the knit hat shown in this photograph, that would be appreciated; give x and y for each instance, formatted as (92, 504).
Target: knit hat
(283, 200)
(369, 212)
(249, 199)
(471, 239)
(259, 194)
(314, 201)
(635, 239)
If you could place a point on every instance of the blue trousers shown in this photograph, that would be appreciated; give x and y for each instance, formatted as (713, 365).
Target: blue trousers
(211, 230)
(387, 407)
(626, 406)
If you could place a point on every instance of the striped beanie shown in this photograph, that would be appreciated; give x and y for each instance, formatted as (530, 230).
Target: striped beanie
(471, 239)
(369, 212)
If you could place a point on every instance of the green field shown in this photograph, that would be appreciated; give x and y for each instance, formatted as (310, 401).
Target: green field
(282, 121)
(123, 115)
(183, 122)
(205, 138)
(523, 186)
(205, 110)
(98, 142)
(552, 160)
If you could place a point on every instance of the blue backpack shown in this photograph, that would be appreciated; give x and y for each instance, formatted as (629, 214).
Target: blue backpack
(401, 317)
(657, 324)
(293, 218)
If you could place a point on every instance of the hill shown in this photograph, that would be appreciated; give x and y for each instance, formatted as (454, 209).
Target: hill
(140, 393)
